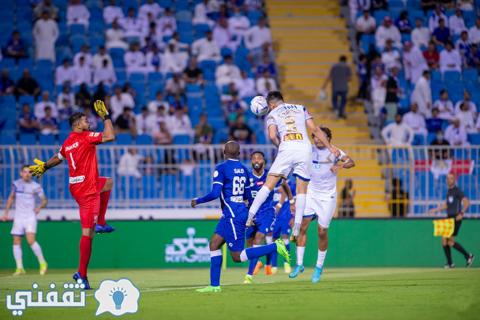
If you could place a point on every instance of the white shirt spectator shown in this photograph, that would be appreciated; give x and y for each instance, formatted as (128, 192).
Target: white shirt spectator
(434, 19)
(227, 73)
(450, 60)
(384, 33)
(39, 109)
(397, 134)
(173, 62)
(474, 33)
(180, 125)
(245, 87)
(128, 165)
(414, 63)
(146, 123)
(135, 61)
(98, 58)
(152, 7)
(238, 25)
(114, 38)
(112, 12)
(153, 106)
(105, 74)
(422, 96)
(206, 49)
(265, 85)
(224, 39)
(416, 122)
(358, 6)
(365, 24)
(77, 13)
(118, 102)
(132, 26)
(467, 120)
(64, 74)
(391, 59)
(445, 108)
(200, 15)
(477, 126)
(65, 96)
(256, 37)
(87, 56)
(456, 136)
(421, 36)
(167, 25)
(45, 33)
(456, 24)
(471, 106)
(83, 74)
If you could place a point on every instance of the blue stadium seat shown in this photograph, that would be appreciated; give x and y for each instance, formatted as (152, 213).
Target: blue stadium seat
(451, 76)
(155, 77)
(474, 138)
(28, 139)
(254, 16)
(200, 30)
(470, 75)
(182, 139)
(144, 139)
(76, 29)
(7, 139)
(47, 139)
(123, 139)
(8, 101)
(136, 77)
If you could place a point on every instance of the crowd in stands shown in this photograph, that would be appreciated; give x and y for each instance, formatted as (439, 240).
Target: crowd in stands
(176, 71)
(419, 64)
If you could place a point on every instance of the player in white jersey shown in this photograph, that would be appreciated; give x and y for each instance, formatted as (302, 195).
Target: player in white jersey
(24, 192)
(287, 129)
(321, 201)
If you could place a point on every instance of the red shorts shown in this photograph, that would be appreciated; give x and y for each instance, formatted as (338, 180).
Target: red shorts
(90, 205)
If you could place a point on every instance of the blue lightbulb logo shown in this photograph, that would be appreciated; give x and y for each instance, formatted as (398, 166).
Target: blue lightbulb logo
(118, 294)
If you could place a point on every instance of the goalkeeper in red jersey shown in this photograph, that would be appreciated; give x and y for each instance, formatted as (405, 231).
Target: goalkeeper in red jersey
(91, 191)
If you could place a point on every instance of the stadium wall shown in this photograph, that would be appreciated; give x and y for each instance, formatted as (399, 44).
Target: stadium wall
(172, 244)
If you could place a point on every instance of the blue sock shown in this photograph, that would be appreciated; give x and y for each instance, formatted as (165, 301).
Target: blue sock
(215, 267)
(288, 247)
(269, 258)
(274, 258)
(258, 252)
(251, 266)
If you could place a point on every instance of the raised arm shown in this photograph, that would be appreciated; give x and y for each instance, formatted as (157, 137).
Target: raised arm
(108, 131)
(40, 167)
(321, 135)
(212, 195)
(273, 135)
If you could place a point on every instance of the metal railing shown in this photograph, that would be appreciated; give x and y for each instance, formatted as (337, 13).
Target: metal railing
(402, 181)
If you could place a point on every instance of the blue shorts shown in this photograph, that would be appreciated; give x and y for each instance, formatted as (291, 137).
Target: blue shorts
(281, 227)
(233, 231)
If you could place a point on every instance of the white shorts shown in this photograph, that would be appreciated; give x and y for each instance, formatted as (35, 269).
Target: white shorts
(324, 209)
(24, 225)
(297, 160)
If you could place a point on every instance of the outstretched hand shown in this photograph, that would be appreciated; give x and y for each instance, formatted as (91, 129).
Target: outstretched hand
(38, 169)
(100, 109)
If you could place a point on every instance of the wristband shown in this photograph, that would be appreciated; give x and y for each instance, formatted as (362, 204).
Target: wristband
(107, 117)
(292, 201)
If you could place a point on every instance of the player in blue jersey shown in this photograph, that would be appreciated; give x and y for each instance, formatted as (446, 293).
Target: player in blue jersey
(231, 183)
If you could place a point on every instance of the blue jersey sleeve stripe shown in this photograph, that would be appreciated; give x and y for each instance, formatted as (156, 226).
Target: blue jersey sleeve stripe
(218, 182)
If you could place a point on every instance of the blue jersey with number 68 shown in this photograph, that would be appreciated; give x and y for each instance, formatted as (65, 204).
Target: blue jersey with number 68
(235, 181)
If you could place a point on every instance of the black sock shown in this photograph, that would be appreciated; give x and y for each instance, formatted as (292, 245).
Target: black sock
(448, 254)
(460, 249)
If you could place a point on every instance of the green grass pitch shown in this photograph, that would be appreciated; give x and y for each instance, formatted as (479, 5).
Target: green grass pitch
(373, 293)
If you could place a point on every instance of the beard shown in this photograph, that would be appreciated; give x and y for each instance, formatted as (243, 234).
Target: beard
(257, 166)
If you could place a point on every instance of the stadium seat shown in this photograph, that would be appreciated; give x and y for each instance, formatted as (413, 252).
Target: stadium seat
(451, 76)
(470, 75)
(144, 139)
(182, 139)
(77, 29)
(28, 139)
(123, 139)
(474, 138)
(47, 139)
(136, 77)
(7, 139)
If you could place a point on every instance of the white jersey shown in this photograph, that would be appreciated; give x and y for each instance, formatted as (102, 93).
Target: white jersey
(290, 120)
(323, 183)
(25, 193)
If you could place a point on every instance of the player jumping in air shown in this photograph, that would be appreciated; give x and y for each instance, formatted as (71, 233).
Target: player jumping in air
(231, 182)
(91, 191)
(321, 201)
(24, 191)
(287, 129)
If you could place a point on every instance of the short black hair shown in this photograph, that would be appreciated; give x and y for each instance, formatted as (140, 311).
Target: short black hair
(274, 95)
(74, 118)
(343, 58)
(257, 152)
(327, 132)
(23, 167)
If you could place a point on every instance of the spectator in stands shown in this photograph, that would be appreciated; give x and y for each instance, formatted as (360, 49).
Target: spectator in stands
(441, 34)
(391, 56)
(41, 106)
(434, 123)
(132, 25)
(463, 46)
(450, 59)
(365, 24)
(154, 105)
(455, 134)
(456, 22)
(45, 34)
(15, 47)
(64, 73)
(362, 73)
(347, 206)
(473, 57)
(422, 94)
(163, 137)
(415, 120)
(238, 23)
(100, 56)
(152, 36)
(397, 133)
(435, 17)
(105, 74)
(398, 199)
(68, 108)
(175, 85)
(474, 32)
(192, 73)
(421, 34)
(414, 62)
(125, 122)
(227, 72)
(223, 37)
(100, 93)
(387, 31)
(146, 124)
(66, 94)
(48, 6)
(48, 124)
(178, 45)
(173, 61)
(339, 76)
(265, 84)
(245, 86)
(403, 23)
(203, 131)
(439, 152)
(112, 12)
(234, 107)
(467, 100)
(444, 106)
(135, 59)
(119, 101)
(128, 166)
(432, 56)
(82, 73)
(85, 53)
(7, 86)
(257, 37)
(77, 13)
(200, 14)
(115, 37)
(356, 6)
(167, 23)
(378, 84)
(83, 98)
(466, 117)
(427, 5)
(266, 64)
(379, 5)
(26, 85)
(27, 122)
(206, 48)
(150, 7)
(179, 123)
(241, 132)
(477, 126)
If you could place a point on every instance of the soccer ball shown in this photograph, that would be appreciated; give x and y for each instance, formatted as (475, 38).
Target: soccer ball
(259, 106)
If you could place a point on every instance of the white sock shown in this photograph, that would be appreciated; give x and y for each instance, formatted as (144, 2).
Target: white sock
(38, 252)
(300, 201)
(321, 258)
(300, 253)
(17, 254)
(243, 256)
(260, 198)
(268, 239)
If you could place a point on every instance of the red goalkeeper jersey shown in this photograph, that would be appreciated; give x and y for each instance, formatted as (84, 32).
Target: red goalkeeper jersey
(79, 149)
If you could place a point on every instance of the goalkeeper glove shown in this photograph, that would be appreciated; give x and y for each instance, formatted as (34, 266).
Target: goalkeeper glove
(101, 109)
(38, 169)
